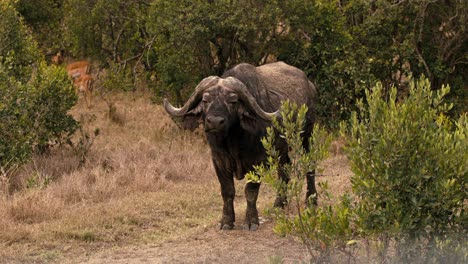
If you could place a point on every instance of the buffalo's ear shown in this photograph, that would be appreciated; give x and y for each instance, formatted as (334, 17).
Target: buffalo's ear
(249, 121)
(191, 120)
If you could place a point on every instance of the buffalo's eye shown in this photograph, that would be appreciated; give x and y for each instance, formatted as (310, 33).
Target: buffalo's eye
(206, 98)
(232, 98)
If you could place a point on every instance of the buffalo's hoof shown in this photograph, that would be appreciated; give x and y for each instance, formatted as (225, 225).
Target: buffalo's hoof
(225, 226)
(311, 202)
(280, 202)
(251, 227)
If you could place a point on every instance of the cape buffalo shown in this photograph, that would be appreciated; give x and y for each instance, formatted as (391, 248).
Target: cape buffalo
(235, 110)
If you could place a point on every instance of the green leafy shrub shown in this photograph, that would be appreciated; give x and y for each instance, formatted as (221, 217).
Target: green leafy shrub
(15, 138)
(34, 115)
(106, 30)
(52, 96)
(410, 166)
(35, 98)
(194, 39)
(44, 17)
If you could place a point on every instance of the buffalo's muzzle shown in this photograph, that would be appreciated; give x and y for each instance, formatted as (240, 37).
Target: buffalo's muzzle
(214, 122)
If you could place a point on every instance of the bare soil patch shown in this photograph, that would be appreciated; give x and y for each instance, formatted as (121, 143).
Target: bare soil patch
(211, 246)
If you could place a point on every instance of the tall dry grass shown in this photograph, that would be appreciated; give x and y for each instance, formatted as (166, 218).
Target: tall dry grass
(55, 197)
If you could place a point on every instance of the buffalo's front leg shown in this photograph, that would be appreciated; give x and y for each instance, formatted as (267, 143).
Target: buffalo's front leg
(228, 192)
(251, 215)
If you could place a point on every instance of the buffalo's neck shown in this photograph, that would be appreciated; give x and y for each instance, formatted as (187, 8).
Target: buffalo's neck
(237, 150)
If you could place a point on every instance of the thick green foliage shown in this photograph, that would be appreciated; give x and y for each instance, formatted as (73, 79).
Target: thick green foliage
(106, 29)
(194, 39)
(45, 18)
(34, 115)
(344, 46)
(17, 49)
(410, 165)
(53, 95)
(34, 104)
(321, 43)
(15, 141)
(410, 172)
(410, 162)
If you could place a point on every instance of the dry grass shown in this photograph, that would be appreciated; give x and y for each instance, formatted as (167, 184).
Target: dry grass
(144, 182)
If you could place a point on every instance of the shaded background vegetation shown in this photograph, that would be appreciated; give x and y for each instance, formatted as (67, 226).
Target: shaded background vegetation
(344, 46)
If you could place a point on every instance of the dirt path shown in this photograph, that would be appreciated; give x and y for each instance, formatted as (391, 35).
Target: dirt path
(211, 246)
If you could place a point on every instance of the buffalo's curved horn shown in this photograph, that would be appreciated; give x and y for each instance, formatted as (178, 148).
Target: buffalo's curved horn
(194, 98)
(247, 98)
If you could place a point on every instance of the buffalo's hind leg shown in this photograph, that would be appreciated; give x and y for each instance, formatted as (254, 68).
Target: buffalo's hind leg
(311, 195)
(251, 215)
(281, 199)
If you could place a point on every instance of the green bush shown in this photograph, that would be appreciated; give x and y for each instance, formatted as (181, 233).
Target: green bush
(44, 17)
(15, 140)
(34, 115)
(52, 96)
(410, 166)
(35, 98)
(106, 30)
(194, 39)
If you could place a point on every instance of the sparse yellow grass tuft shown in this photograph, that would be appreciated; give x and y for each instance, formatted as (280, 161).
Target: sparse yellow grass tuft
(33, 206)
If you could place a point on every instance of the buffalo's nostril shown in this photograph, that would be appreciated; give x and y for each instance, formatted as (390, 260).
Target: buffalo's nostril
(215, 121)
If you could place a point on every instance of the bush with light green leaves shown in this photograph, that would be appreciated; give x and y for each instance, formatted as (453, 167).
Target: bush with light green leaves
(410, 170)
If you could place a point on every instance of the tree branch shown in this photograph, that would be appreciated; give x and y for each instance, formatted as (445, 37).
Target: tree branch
(418, 38)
